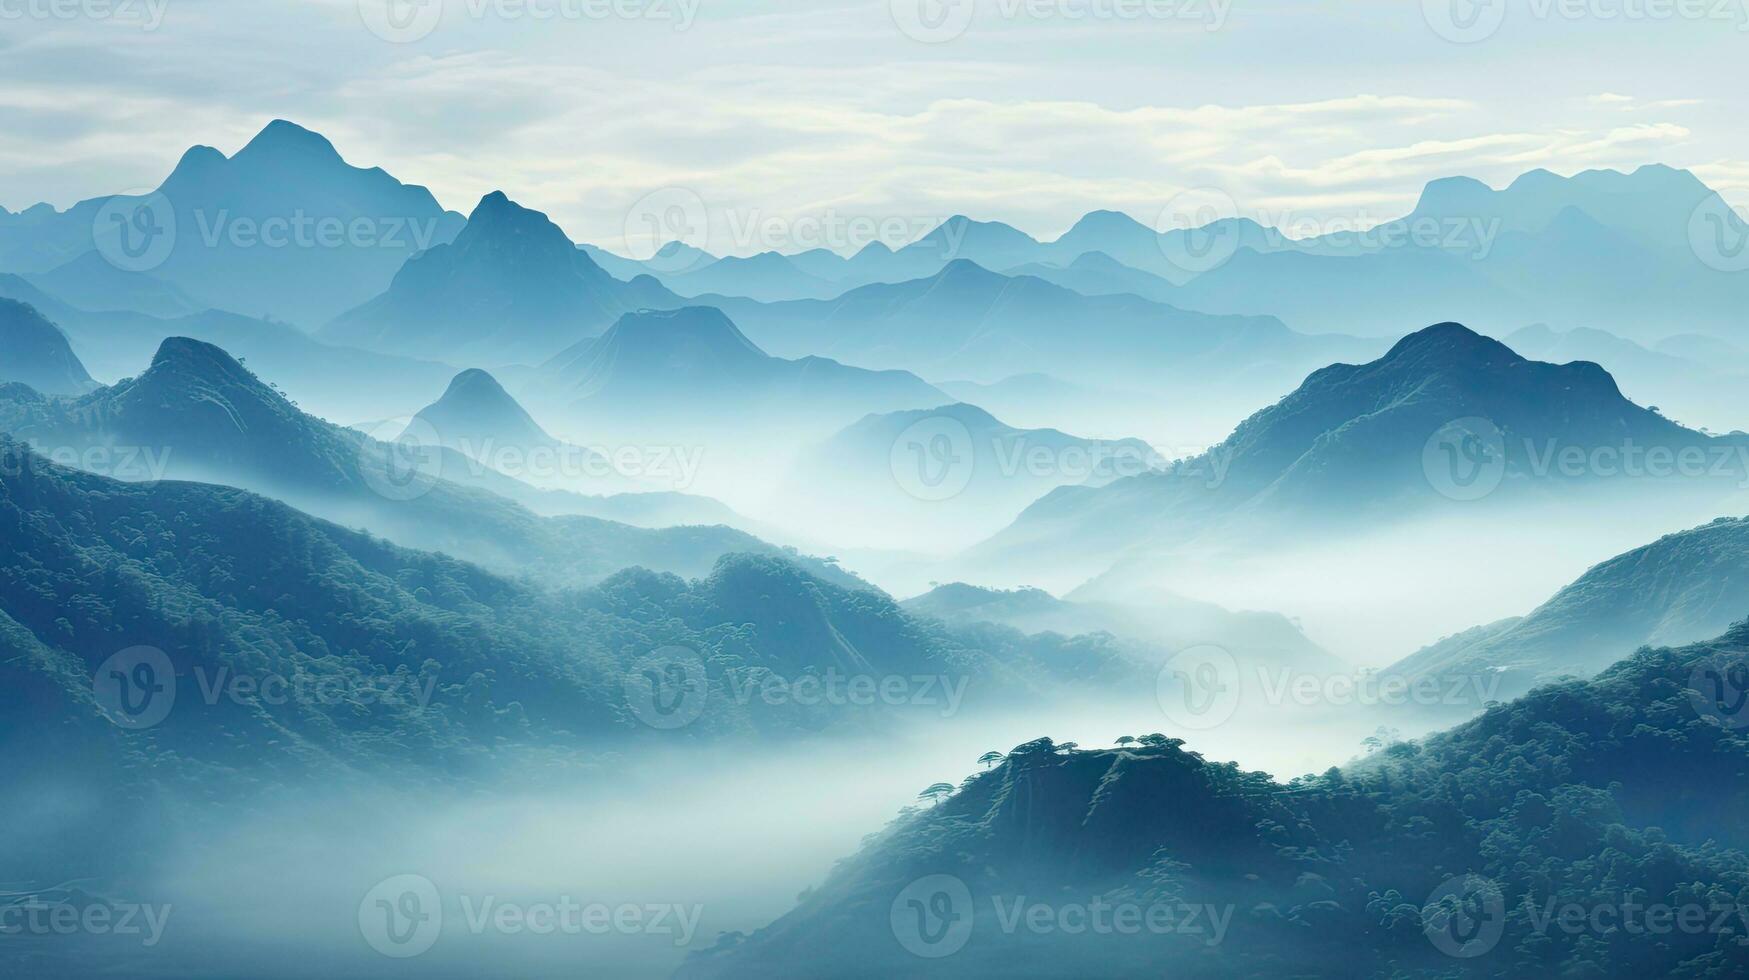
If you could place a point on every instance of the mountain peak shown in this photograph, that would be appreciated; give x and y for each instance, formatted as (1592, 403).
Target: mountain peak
(1450, 341)
(35, 352)
(187, 355)
(476, 407)
(282, 137)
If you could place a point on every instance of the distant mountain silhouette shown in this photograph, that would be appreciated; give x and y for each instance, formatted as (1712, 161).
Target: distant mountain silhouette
(970, 323)
(475, 408)
(656, 368)
(208, 418)
(945, 476)
(1363, 443)
(510, 287)
(269, 231)
(33, 351)
(92, 284)
(1676, 590)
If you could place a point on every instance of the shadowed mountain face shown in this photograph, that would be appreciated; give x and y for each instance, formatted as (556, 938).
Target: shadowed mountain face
(1446, 417)
(652, 370)
(1680, 587)
(198, 414)
(1055, 862)
(33, 351)
(284, 228)
(510, 287)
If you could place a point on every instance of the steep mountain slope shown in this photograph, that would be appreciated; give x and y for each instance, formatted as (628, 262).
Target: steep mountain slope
(198, 414)
(1709, 390)
(1680, 587)
(1449, 857)
(476, 409)
(1446, 416)
(33, 351)
(510, 287)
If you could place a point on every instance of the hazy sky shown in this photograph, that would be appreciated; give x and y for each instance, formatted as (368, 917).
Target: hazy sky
(770, 111)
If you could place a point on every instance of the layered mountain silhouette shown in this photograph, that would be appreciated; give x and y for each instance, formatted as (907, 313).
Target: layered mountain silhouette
(510, 287)
(652, 370)
(966, 322)
(1702, 383)
(34, 352)
(1365, 869)
(198, 414)
(946, 475)
(273, 230)
(339, 382)
(475, 409)
(1680, 587)
(1445, 416)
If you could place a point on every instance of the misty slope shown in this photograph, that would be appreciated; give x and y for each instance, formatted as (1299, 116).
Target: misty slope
(1363, 443)
(201, 415)
(969, 323)
(400, 665)
(288, 185)
(945, 476)
(476, 410)
(91, 283)
(1171, 622)
(692, 369)
(1679, 588)
(510, 287)
(33, 351)
(342, 383)
(1701, 389)
(1573, 794)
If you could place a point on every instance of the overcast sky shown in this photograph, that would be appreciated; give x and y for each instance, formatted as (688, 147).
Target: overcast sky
(786, 120)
